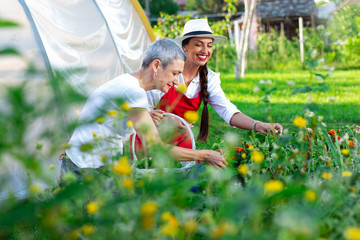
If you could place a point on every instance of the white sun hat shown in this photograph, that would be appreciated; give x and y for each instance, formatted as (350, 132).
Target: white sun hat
(198, 28)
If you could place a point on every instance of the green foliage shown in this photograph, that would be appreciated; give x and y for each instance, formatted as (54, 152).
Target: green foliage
(158, 7)
(213, 6)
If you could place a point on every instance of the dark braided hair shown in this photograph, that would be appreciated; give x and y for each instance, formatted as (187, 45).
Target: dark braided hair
(204, 124)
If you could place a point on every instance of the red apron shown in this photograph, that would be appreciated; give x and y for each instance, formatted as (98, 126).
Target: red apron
(177, 103)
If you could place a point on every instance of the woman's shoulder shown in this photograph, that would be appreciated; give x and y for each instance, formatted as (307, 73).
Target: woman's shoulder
(213, 75)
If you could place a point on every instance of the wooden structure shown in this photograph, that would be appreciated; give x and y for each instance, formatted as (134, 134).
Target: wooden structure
(284, 15)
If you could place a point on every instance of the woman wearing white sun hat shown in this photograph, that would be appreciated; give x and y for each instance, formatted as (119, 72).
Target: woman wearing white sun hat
(202, 85)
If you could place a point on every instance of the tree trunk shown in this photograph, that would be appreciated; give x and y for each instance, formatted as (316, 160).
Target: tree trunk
(244, 38)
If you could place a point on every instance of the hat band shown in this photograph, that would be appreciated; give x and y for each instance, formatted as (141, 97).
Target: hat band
(197, 33)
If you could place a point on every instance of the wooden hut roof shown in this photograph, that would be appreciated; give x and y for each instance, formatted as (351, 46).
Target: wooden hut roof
(285, 8)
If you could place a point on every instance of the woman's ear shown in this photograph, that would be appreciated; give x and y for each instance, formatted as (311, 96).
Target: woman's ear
(156, 64)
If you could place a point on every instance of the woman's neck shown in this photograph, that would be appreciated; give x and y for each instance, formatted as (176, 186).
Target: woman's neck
(145, 79)
(189, 73)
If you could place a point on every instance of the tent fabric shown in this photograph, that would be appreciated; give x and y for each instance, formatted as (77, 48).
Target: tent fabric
(91, 41)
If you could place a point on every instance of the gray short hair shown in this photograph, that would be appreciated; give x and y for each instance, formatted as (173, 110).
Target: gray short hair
(166, 50)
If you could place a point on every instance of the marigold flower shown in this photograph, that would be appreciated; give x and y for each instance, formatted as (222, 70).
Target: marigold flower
(273, 186)
(128, 183)
(181, 88)
(190, 226)
(257, 156)
(147, 222)
(149, 208)
(122, 167)
(347, 174)
(306, 137)
(52, 166)
(249, 146)
(224, 228)
(345, 151)
(171, 227)
(129, 124)
(310, 195)
(243, 169)
(352, 233)
(243, 155)
(87, 229)
(326, 175)
(112, 112)
(331, 132)
(299, 122)
(125, 106)
(94, 134)
(191, 116)
(92, 207)
(338, 138)
(239, 149)
(351, 143)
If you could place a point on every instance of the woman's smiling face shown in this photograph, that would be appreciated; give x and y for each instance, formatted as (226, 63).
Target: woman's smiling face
(199, 50)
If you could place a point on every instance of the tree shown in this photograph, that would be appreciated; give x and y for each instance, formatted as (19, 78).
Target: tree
(240, 67)
(163, 6)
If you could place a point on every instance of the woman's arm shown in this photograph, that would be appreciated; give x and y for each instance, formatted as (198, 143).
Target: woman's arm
(243, 121)
(142, 120)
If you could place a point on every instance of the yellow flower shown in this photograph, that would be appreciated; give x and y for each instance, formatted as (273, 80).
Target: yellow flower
(181, 88)
(358, 206)
(112, 112)
(257, 156)
(87, 229)
(273, 186)
(352, 233)
(222, 229)
(347, 174)
(100, 120)
(326, 175)
(128, 183)
(190, 226)
(149, 208)
(122, 167)
(94, 134)
(171, 227)
(191, 116)
(129, 124)
(125, 106)
(166, 216)
(74, 234)
(35, 188)
(345, 152)
(92, 207)
(243, 155)
(147, 222)
(56, 190)
(310, 195)
(103, 158)
(140, 183)
(300, 122)
(243, 169)
(51, 166)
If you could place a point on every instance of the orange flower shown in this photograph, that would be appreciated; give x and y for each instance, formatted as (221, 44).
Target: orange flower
(331, 132)
(306, 137)
(351, 143)
(239, 149)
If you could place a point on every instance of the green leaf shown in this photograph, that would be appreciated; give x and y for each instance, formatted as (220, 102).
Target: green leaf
(301, 90)
(10, 51)
(323, 77)
(8, 23)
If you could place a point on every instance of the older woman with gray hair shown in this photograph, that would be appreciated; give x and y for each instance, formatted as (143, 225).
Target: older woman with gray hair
(162, 65)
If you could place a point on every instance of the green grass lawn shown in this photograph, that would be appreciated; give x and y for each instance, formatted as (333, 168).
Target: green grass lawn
(344, 86)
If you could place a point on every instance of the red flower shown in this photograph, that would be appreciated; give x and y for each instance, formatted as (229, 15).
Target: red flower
(306, 137)
(331, 132)
(338, 138)
(351, 143)
(239, 149)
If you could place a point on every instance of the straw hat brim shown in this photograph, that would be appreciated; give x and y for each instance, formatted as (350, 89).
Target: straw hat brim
(217, 38)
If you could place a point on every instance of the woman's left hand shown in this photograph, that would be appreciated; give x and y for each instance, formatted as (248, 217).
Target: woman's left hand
(275, 128)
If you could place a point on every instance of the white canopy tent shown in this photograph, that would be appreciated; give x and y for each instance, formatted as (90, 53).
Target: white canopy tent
(103, 38)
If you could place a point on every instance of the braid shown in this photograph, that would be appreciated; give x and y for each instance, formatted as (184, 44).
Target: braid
(204, 124)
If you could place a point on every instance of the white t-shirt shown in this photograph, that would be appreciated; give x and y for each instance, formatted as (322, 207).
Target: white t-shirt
(217, 99)
(113, 129)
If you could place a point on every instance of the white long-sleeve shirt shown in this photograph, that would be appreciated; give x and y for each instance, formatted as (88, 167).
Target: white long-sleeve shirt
(217, 99)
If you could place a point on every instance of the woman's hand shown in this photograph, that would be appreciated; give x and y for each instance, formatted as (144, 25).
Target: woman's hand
(275, 128)
(214, 158)
(157, 115)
